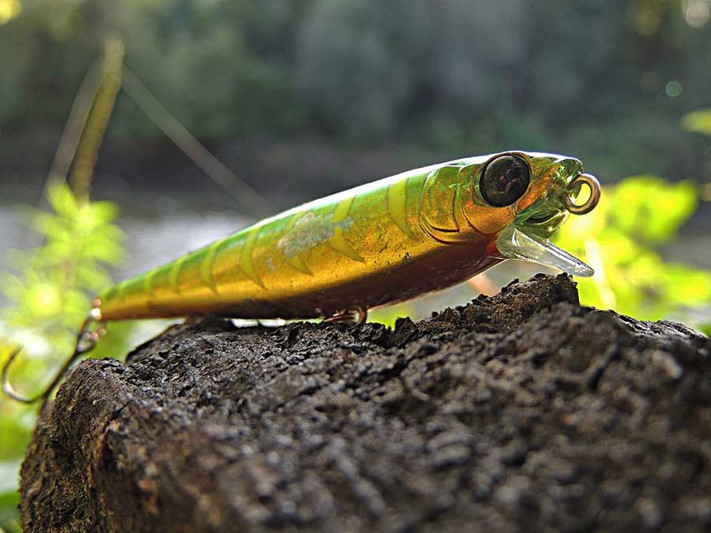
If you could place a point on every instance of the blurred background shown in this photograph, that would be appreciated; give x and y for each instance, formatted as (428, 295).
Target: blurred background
(132, 132)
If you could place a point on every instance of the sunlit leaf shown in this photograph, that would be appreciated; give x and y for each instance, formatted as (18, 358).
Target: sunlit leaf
(103, 212)
(619, 238)
(687, 285)
(650, 208)
(9, 9)
(62, 201)
(697, 121)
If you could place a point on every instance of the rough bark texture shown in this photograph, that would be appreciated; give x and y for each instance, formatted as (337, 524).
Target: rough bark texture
(520, 412)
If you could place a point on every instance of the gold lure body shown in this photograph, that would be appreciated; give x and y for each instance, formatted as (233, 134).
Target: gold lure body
(384, 242)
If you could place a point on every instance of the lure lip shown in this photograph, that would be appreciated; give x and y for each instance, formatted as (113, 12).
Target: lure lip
(516, 243)
(527, 238)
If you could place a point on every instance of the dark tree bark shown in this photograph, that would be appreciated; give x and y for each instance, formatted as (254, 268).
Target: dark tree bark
(520, 412)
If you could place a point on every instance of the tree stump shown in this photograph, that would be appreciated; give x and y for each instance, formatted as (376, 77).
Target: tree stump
(519, 412)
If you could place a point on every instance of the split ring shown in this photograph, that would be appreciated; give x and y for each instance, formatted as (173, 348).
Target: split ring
(591, 202)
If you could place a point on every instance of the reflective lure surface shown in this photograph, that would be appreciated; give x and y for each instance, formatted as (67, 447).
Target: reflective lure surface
(380, 243)
(383, 242)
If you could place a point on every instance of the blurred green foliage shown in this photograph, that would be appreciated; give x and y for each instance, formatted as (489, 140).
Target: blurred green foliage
(621, 238)
(50, 287)
(606, 82)
(49, 296)
(80, 239)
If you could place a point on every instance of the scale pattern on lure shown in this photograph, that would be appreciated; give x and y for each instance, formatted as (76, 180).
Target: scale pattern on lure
(387, 241)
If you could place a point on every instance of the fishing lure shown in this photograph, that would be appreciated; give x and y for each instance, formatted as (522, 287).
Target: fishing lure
(381, 243)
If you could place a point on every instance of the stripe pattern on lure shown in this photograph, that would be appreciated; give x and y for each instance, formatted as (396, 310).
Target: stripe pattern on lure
(383, 242)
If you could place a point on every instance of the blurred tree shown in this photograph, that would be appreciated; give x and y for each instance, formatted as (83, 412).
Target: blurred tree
(195, 57)
(359, 62)
(604, 81)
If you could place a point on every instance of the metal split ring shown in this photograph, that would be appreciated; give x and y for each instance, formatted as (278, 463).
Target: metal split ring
(574, 189)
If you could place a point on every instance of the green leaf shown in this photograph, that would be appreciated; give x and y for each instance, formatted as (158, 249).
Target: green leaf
(103, 212)
(620, 239)
(650, 208)
(697, 121)
(62, 200)
(686, 285)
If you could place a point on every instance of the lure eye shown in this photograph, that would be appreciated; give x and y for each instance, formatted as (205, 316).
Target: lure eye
(504, 180)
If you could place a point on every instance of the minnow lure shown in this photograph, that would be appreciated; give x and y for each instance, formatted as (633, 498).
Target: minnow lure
(384, 242)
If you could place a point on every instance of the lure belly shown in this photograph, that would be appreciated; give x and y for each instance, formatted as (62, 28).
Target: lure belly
(384, 242)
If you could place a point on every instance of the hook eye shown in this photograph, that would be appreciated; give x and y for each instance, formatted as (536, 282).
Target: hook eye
(574, 188)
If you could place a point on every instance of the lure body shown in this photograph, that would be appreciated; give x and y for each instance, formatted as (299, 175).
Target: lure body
(380, 243)
(384, 242)
(354, 250)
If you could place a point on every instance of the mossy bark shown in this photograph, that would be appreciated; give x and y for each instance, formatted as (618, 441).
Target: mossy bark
(519, 412)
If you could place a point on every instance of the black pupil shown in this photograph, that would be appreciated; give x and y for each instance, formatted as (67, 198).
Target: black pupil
(504, 181)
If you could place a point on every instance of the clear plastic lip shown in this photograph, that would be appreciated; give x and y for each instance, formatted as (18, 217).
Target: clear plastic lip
(513, 243)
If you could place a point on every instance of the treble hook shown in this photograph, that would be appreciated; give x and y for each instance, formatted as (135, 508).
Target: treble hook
(86, 340)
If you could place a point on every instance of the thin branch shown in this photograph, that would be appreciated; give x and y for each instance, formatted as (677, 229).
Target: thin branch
(98, 120)
(194, 149)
